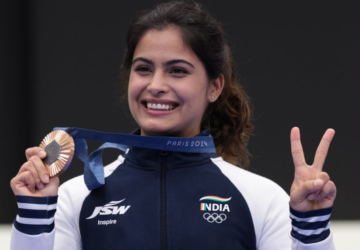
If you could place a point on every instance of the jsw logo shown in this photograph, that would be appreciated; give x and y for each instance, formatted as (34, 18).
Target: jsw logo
(109, 208)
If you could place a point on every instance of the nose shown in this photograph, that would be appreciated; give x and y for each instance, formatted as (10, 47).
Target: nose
(158, 85)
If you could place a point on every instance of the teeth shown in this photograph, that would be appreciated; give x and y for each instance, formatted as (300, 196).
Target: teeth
(159, 106)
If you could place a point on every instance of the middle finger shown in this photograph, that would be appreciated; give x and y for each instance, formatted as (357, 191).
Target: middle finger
(323, 148)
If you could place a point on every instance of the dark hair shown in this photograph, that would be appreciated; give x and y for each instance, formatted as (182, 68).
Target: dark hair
(228, 118)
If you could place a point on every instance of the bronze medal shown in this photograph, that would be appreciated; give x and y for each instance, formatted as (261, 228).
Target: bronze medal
(59, 147)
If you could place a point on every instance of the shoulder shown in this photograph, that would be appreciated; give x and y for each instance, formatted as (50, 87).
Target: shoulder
(247, 182)
(267, 201)
(263, 196)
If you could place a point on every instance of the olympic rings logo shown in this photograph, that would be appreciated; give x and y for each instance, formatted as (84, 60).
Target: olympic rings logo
(218, 218)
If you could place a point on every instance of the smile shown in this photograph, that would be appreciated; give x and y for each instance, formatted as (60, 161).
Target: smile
(158, 106)
(161, 105)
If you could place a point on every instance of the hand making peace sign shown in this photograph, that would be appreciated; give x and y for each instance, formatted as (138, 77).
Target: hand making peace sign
(312, 188)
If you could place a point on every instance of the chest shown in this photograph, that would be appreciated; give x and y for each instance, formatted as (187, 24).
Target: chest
(179, 209)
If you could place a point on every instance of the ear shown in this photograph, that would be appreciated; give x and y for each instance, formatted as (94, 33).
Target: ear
(216, 87)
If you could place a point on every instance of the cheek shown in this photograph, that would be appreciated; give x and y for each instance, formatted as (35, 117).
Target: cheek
(194, 99)
(195, 94)
(134, 90)
(133, 94)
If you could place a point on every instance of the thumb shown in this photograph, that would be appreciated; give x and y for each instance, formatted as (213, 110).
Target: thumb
(307, 189)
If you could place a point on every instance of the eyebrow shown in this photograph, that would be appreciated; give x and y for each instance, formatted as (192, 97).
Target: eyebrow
(168, 63)
(143, 60)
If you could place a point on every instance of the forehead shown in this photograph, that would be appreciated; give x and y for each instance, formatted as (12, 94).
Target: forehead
(163, 44)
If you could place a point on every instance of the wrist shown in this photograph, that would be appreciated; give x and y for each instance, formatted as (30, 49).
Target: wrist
(36, 214)
(310, 226)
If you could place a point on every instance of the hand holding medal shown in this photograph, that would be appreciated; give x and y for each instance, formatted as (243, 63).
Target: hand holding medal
(38, 176)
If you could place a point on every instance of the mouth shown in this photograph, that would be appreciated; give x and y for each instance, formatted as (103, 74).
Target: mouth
(160, 106)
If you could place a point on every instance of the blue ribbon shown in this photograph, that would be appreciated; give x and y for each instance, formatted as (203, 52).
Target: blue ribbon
(94, 169)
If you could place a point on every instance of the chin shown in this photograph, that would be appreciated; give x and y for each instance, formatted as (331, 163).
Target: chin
(157, 130)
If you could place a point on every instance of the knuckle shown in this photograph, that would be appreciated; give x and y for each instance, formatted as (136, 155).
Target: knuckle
(26, 174)
(27, 166)
(13, 181)
(332, 185)
(296, 151)
(326, 139)
(324, 176)
(321, 152)
(29, 152)
(329, 189)
(29, 178)
(24, 166)
(34, 159)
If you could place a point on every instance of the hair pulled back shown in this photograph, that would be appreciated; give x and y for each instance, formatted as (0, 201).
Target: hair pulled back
(229, 117)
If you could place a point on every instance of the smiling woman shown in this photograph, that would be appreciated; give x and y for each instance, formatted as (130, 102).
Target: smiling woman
(190, 50)
(168, 88)
(181, 83)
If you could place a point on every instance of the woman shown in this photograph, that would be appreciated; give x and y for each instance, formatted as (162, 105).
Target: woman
(181, 82)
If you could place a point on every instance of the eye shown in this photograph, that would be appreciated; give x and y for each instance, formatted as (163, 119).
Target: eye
(178, 71)
(142, 69)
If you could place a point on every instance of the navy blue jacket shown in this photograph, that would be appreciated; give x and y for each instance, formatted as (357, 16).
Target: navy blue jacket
(170, 200)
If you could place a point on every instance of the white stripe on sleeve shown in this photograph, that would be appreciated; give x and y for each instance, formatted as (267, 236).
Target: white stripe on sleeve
(29, 221)
(32, 206)
(311, 232)
(311, 219)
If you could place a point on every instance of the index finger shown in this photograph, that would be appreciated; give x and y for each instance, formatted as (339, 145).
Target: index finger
(35, 151)
(323, 148)
(296, 147)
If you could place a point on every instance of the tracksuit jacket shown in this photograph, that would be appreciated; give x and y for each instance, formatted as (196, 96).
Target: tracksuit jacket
(170, 200)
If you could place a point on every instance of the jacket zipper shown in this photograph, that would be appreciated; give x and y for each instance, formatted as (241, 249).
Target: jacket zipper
(163, 201)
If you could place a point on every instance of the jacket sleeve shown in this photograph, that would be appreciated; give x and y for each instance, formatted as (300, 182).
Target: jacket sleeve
(37, 225)
(311, 229)
(34, 224)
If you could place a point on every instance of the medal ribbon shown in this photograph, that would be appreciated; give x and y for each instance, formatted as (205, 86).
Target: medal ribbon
(94, 169)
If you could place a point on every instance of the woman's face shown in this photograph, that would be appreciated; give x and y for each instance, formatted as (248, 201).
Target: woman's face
(168, 86)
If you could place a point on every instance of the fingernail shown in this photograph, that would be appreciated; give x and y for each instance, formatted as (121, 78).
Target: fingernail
(42, 153)
(41, 185)
(311, 197)
(46, 178)
(318, 197)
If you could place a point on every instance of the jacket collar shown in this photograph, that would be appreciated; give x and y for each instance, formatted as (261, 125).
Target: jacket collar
(151, 159)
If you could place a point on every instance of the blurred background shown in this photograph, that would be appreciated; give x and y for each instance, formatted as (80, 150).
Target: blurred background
(299, 63)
